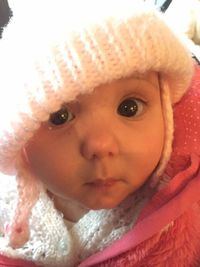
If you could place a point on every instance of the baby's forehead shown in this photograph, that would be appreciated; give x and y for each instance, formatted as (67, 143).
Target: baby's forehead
(149, 76)
(136, 81)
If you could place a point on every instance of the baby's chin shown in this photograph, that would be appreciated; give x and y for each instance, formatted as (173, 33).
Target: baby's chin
(99, 204)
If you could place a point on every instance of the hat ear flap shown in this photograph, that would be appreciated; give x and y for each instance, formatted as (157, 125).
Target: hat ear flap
(29, 188)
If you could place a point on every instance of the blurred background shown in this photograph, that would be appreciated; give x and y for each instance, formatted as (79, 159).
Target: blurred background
(5, 14)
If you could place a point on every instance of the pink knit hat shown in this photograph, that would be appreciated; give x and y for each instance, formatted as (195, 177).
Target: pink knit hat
(46, 60)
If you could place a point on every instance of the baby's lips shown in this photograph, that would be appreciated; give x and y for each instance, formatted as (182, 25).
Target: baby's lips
(103, 181)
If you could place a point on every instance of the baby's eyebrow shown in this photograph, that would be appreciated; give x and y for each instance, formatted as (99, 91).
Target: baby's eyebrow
(142, 78)
(70, 103)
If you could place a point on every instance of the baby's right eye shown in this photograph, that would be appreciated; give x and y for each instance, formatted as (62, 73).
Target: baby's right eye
(60, 117)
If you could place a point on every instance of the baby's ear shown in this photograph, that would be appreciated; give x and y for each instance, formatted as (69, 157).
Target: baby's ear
(24, 156)
(5, 14)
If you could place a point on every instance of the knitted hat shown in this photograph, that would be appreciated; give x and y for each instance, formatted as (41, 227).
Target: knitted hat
(50, 58)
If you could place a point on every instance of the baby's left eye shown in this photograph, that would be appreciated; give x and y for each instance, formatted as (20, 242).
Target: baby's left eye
(130, 107)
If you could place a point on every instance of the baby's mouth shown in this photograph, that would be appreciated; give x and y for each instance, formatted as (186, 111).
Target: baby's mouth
(103, 182)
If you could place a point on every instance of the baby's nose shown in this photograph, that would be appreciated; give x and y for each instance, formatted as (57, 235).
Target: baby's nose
(97, 145)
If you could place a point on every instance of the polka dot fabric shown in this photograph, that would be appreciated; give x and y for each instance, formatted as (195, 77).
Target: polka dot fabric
(187, 120)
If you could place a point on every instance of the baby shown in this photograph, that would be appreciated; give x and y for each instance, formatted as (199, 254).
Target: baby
(90, 164)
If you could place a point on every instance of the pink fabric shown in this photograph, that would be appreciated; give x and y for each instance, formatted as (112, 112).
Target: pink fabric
(8, 262)
(146, 245)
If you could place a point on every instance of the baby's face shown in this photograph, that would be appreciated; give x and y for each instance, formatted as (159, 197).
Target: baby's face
(102, 147)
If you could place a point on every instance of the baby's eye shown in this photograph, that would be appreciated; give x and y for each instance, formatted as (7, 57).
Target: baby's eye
(130, 107)
(60, 117)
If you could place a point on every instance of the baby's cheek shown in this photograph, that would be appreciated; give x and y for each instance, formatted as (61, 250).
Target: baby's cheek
(152, 154)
